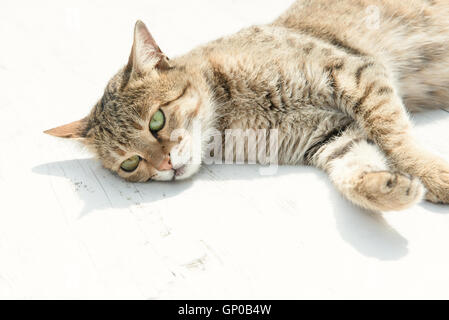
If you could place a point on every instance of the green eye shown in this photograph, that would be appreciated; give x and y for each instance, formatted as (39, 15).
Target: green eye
(130, 164)
(157, 122)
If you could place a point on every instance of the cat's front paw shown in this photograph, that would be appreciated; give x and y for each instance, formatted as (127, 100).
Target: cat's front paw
(389, 191)
(437, 185)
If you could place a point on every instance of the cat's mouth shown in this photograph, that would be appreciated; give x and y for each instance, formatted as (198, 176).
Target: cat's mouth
(179, 171)
(184, 171)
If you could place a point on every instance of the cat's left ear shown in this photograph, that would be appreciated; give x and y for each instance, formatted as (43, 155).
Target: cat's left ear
(145, 54)
(72, 130)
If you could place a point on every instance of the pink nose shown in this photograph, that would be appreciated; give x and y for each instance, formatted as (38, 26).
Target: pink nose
(165, 164)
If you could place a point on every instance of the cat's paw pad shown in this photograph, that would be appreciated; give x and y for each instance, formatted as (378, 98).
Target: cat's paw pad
(389, 191)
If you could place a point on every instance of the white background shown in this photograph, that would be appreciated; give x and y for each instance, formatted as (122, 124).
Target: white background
(70, 229)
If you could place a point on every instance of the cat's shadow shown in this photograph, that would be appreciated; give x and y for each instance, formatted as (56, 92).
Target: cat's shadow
(99, 189)
(366, 232)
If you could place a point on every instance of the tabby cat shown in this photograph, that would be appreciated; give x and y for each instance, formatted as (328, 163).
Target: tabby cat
(336, 87)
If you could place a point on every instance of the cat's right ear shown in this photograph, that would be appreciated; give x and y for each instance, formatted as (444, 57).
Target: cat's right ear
(145, 54)
(73, 130)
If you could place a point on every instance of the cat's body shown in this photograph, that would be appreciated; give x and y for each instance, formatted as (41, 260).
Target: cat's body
(332, 82)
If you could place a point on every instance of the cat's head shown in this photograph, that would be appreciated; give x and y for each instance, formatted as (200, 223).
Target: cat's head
(142, 127)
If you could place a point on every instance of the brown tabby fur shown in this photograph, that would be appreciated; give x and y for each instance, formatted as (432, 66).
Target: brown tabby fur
(336, 89)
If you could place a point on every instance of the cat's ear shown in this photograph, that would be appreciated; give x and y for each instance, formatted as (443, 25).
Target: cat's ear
(72, 130)
(145, 54)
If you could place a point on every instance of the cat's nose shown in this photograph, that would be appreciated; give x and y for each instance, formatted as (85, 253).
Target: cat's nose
(165, 164)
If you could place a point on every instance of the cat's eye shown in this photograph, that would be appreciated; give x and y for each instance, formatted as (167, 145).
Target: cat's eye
(157, 121)
(129, 165)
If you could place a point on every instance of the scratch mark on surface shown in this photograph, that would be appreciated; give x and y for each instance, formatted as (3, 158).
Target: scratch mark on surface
(212, 175)
(212, 251)
(138, 191)
(197, 263)
(101, 185)
(82, 167)
(62, 169)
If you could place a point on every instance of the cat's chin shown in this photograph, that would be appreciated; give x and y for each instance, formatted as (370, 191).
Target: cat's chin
(181, 173)
(167, 175)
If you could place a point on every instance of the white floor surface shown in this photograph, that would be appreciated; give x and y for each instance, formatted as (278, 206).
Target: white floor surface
(70, 229)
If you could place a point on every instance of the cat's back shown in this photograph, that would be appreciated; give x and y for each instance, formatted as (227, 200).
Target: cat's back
(410, 37)
(371, 26)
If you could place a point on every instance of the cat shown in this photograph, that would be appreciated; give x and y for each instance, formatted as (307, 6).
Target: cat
(335, 85)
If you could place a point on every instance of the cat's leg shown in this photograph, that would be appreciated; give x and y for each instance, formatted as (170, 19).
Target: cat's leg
(364, 90)
(361, 173)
